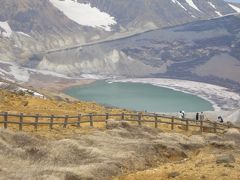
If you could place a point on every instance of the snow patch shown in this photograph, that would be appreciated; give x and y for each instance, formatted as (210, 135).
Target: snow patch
(176, 2)
(7, 31)
(211, 4)
(14, 88)
(13, 72)
(214, 7)
(18, 73)
(84, 14)
(48, 73)
(24, 34)
(237, 9)
(190, 3)
(218, 13)
(93, 76)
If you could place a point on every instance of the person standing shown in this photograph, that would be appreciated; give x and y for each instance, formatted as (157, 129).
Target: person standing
(180, 114)
(197, 116)
(220, 119)
(183, 114)
(202, 117)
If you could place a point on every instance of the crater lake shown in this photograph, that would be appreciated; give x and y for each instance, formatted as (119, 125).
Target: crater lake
(139, 96)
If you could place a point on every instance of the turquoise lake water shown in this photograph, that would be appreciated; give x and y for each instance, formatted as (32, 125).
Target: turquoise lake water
(138, 96)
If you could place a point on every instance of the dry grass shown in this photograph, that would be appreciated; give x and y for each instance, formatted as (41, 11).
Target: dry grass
(200, 165)
(96, 155)
(100, 153)
(120, 149)
(16, 104)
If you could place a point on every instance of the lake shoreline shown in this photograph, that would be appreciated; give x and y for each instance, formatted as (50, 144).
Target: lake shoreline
(139, 97)
(220, 98)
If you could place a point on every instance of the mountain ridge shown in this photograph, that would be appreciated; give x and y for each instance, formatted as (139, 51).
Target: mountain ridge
(59, 47)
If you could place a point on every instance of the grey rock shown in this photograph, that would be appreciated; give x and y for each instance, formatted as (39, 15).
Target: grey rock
(223, 144)
(226, 158)
(173, 174)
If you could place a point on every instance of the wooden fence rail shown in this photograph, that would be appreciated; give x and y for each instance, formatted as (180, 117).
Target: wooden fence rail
(156, 119)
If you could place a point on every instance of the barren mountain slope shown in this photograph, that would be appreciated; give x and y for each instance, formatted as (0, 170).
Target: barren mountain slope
(204, 51)
(37, 25)
(50, 24)
(140, 13)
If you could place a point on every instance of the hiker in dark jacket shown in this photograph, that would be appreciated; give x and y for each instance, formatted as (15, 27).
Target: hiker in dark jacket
(197, 116)
(220, 119)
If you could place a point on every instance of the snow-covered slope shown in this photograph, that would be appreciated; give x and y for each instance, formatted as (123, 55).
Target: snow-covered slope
(84, 14)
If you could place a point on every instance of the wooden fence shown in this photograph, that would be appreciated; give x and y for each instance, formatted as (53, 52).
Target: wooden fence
(90, 119)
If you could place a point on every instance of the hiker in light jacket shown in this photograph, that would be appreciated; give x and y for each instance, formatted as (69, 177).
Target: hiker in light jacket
(202, 117)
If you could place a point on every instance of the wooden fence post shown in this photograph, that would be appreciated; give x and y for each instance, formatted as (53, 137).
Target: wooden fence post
(122, 116)
(21, 121)
(172, 123)
(139, 119)
(201, 126)
(91, 119)
(51, 122)
(5, 120)
(65, 121)
(36, 121)
(215, 127)
(79, 120)
(187, 124)
(156, 121)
